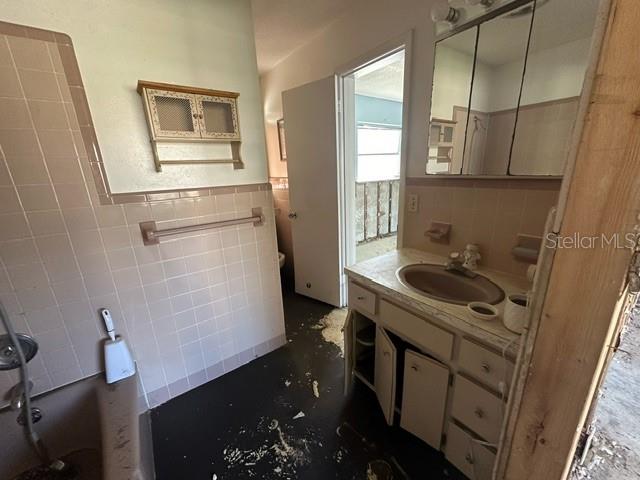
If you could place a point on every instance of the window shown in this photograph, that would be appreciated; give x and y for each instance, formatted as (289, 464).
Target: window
(378, 141)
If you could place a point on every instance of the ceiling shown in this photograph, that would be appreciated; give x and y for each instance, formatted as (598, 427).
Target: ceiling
(503, 40)
(382, 79)
(282, 26)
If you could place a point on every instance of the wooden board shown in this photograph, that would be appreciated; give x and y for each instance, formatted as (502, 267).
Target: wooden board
(577, 320)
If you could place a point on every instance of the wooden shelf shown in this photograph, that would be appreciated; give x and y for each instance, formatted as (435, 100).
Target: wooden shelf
(170, 87)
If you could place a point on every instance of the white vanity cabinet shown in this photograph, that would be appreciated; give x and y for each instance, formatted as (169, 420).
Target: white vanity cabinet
(447, 387)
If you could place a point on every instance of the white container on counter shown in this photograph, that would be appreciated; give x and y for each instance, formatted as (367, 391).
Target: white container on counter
(515, 312)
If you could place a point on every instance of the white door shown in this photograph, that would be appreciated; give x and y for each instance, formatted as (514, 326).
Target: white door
(312, 162)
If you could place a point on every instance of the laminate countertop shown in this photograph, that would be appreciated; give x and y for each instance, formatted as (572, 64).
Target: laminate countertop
(379, 274)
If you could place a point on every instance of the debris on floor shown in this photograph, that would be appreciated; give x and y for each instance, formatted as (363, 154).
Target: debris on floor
(299, 415)
(316, 391)
(234, 440)
(277, 448)
(605, 460)
(379, 470)
(614, 453)
(332, 325)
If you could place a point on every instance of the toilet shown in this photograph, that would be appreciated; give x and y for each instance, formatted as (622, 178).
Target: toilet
(281, 259)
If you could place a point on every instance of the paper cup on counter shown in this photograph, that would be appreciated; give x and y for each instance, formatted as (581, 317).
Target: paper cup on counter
(515, 312)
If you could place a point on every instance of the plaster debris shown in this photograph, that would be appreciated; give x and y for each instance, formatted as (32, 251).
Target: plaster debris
(379, 470)
(332, 326)
(339, 455)
(371, 474)
(316, 391)
(282, 452)
(299, 415)
(287, 383)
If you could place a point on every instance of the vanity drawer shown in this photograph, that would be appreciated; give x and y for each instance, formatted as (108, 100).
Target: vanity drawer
(484, 365)
(416, 330)
(470, 457)
(477, 408)
(362, 299)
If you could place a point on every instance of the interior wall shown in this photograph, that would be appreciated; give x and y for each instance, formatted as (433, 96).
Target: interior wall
(552, 74)
(202, 43)
(490, 213)
(365, 26)
(376, 22)
(192, 308)
(452, 79)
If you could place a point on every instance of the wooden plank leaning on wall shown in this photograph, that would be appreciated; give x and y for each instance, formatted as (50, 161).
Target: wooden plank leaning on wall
(577, 319)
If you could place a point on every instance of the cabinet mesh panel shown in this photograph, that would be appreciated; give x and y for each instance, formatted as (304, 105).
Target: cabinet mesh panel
(217, 117)
(174, 114)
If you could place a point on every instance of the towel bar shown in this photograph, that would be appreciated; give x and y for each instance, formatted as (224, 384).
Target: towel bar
(151, 235)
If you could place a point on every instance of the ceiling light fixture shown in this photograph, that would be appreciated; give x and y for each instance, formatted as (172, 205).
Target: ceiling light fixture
(443, 12)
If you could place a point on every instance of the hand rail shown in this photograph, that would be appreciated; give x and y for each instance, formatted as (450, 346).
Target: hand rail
(151, 235)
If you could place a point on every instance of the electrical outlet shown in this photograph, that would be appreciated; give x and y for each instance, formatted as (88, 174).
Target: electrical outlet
(412, 203)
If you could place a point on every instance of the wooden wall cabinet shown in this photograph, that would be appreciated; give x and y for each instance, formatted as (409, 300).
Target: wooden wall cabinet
(178, 113)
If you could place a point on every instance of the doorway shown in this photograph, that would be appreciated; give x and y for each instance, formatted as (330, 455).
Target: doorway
(344, 133)
(372, 119)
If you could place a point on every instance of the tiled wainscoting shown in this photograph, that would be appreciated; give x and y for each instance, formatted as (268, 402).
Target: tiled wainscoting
(280, 187)
(488, 212)
(192, 308)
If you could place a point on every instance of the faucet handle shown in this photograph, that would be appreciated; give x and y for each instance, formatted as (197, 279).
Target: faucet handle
(454, 256)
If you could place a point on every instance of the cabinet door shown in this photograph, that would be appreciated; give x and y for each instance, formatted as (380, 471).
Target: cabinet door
(348, 352)
(385, 374)
(424, 397)
(469, 455)
(173, 114)
(218, 117)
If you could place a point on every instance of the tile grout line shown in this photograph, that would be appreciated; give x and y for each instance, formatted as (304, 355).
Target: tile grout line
(66, 330)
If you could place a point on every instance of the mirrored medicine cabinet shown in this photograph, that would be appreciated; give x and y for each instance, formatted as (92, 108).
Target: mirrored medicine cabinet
(506, 88)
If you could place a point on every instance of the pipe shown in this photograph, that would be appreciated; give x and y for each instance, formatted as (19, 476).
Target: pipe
(31, 434)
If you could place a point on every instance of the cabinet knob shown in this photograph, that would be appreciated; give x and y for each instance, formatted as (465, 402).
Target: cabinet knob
(360, 298)
(414, 368)
(386, 353)
(485, 367)
(469, 458)
(478, 412)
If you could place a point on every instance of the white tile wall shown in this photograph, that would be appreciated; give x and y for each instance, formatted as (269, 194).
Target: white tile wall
(191, 308)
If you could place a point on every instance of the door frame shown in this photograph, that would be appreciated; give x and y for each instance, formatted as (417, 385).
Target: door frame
(345, 115)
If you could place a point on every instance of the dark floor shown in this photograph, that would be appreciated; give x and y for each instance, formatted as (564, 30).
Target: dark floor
(242, 425)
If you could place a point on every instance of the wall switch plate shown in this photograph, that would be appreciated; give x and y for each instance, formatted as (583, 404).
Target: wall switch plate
(412, 202)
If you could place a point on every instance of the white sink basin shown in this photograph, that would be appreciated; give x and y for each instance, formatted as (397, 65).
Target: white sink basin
(435, 282)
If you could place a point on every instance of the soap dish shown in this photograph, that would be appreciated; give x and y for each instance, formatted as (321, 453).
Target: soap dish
(482, 310)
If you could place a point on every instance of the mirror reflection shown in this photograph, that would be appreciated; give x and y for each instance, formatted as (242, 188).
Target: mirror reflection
(491, 119)
(556, 65)
(506, 91)
(452, 76)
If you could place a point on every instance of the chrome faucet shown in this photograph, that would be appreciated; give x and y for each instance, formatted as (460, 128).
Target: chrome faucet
(456, 265)
(17, 395)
